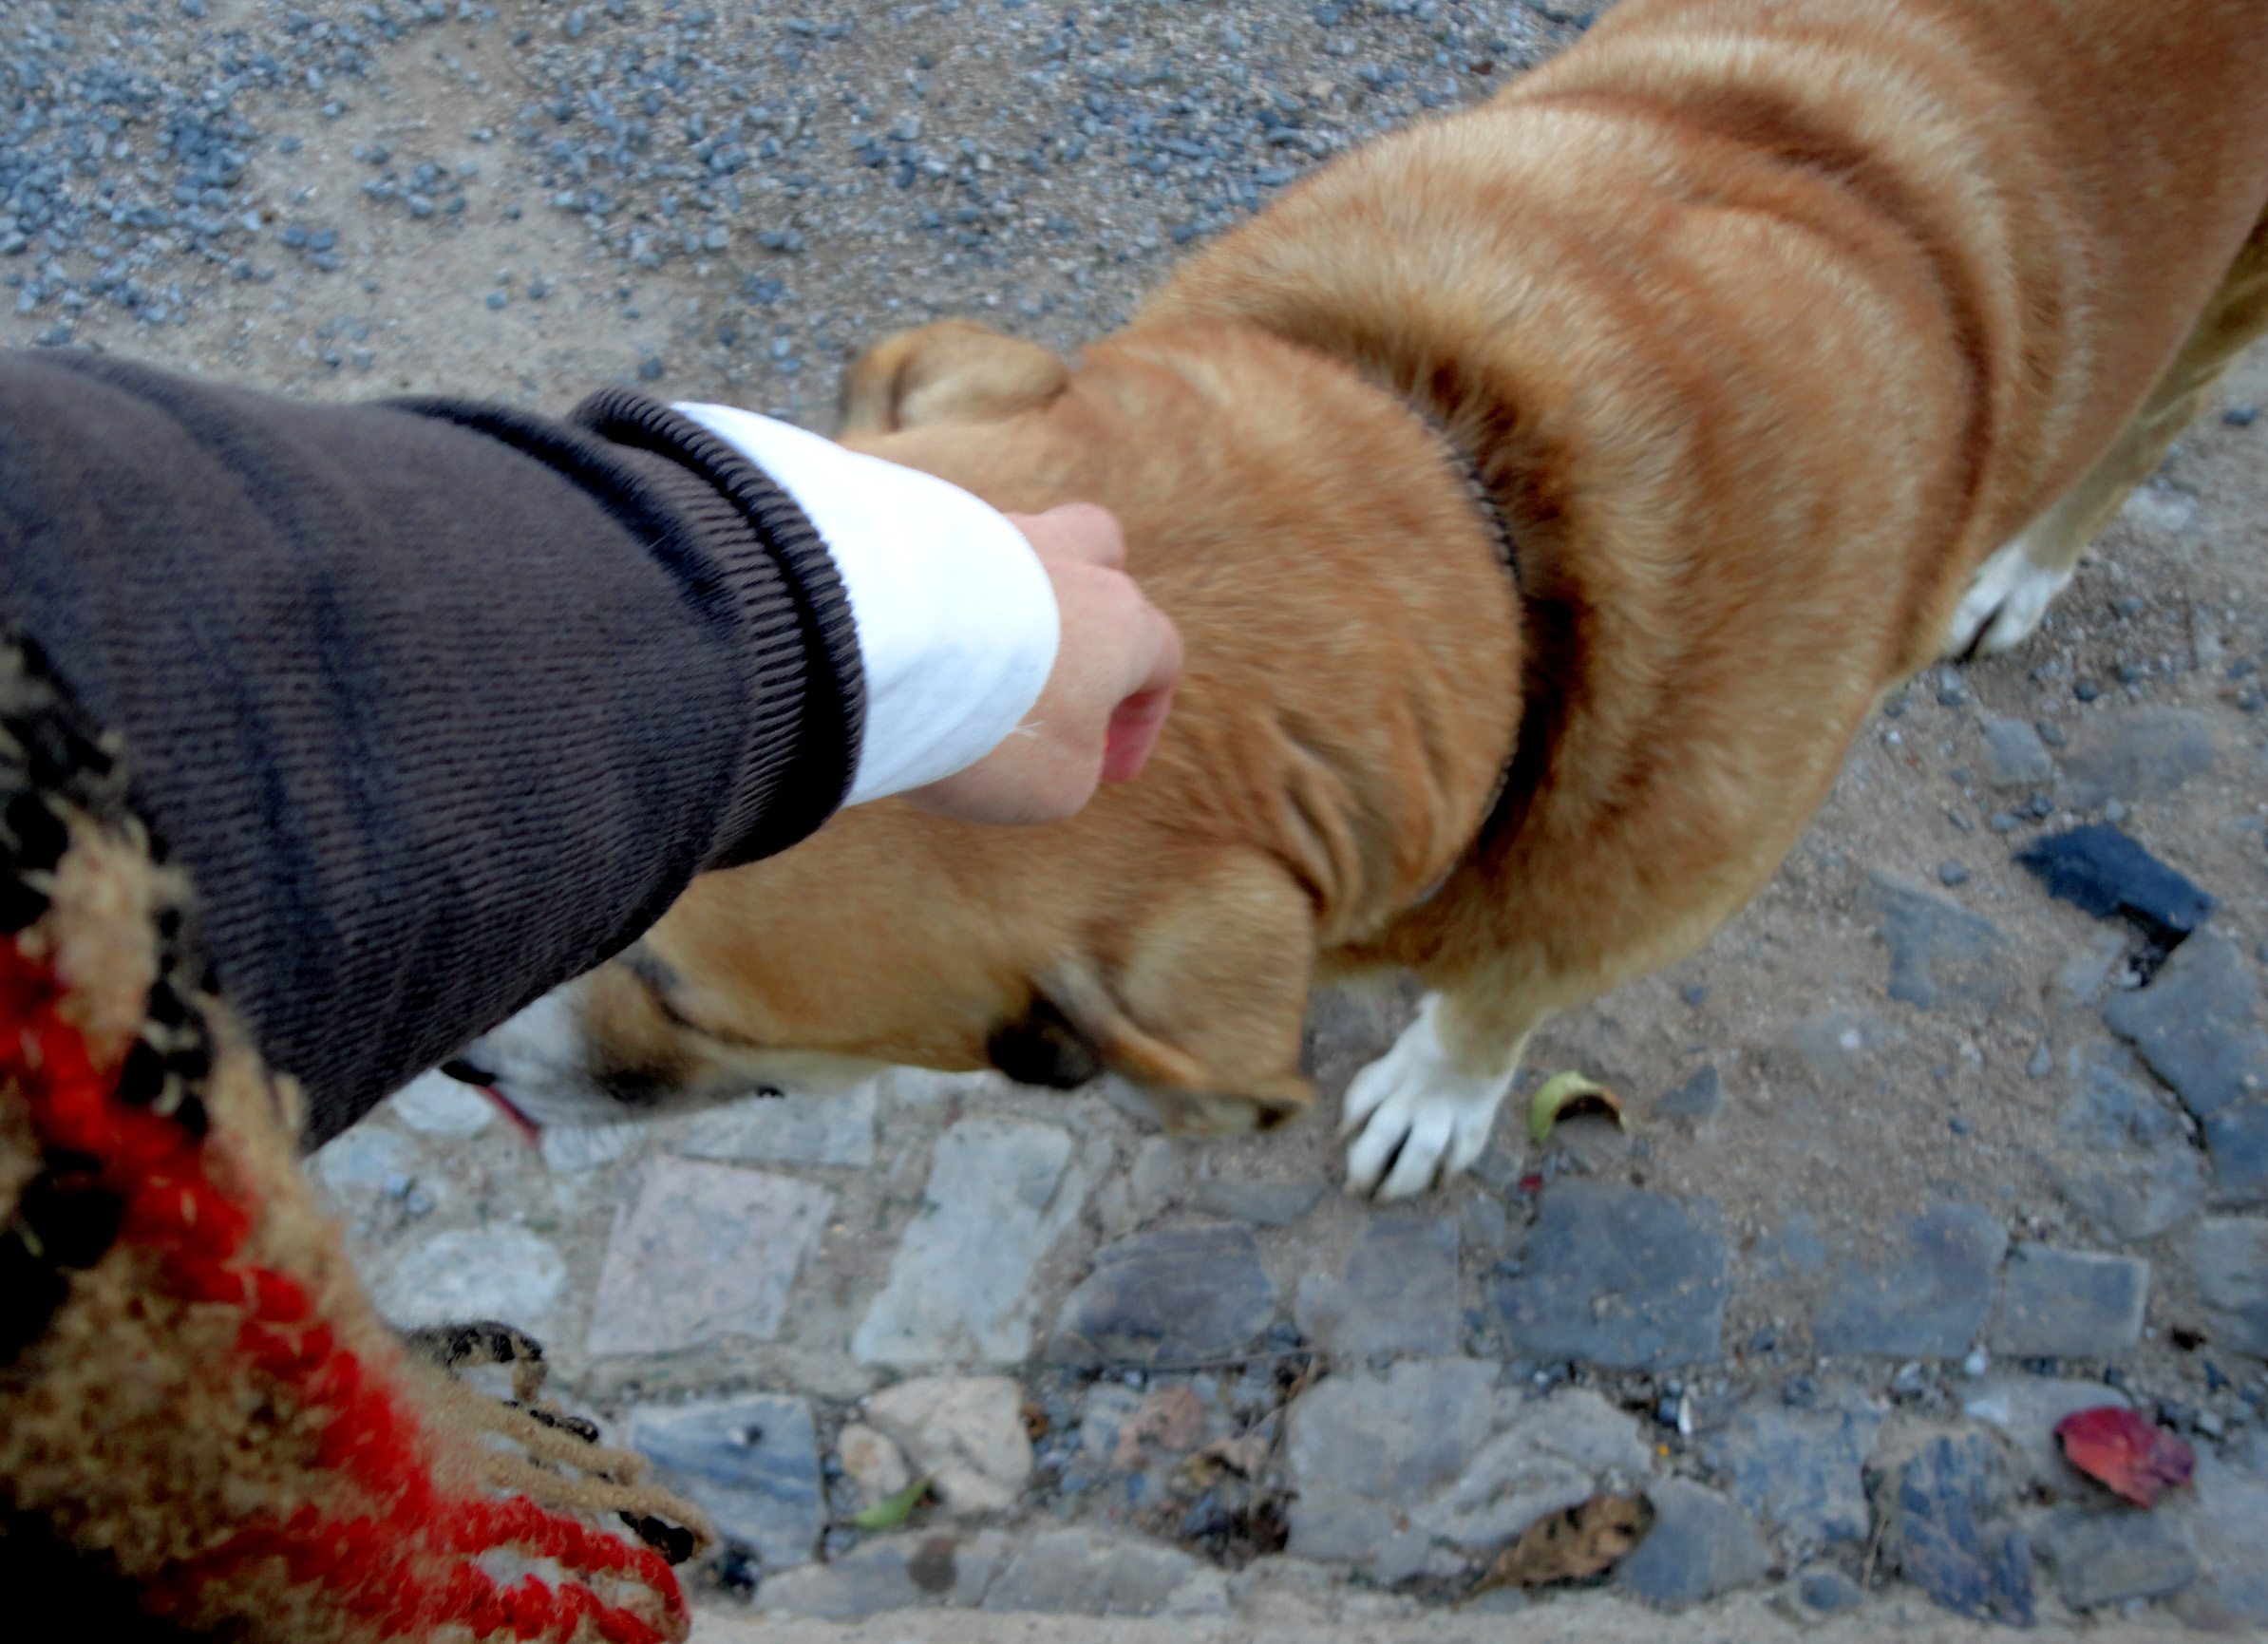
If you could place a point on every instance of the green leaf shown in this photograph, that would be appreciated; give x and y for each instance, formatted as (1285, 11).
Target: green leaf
(1564, 1091)
(890, 1514)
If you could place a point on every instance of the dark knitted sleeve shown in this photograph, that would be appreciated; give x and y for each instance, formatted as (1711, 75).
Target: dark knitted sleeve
(438, 703)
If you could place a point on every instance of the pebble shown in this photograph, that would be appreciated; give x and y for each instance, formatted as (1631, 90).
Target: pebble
(1947, 1522)
(1939, 951)
(1000, 1193)
(2228, 1260)
(1617, 1275)
(1183, 1295)
(2137, 753)
(705, 1252)
(1080, 1572)
(1952, 873)
(1931, 1302)
(2118, 1557)
(2016, 754)
(2069, 1303)
(873, 1462)
(502, 1271)
(1826, 1591)
(1701, 1096)
(440, 1105)
(787, 1129)
(1701, 1545)
(2238, 1137)
(967, 1432)
(1799, 1470)
(753, 1463)
(2198, 1024)
(2104, 871)
(2132, 1171)
(1397, 1292)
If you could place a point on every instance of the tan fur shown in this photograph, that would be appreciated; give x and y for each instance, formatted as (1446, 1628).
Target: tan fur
(1765, 322)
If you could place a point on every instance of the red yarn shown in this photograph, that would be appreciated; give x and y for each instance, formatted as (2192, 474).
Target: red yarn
(409, 1566)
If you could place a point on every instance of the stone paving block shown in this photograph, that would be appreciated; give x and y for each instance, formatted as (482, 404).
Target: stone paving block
(1077, 1572)
(2238, 1135)
(1617, 1275)
(1554, 1453)
(1799, 1470)
(2104, 872)
(1700, 1546)
(787, 1129)
(1398, 1292)
(2136, 753)
(440, 1105)
(2228, 1258)
(2069, 1303)
(2026, 1409)
(705, 1252)
(2228, 1524)
(1949, 1529)
(751, 1462)
(571, 1149)
(1000, 1193)
(2110, 1557)
(1359, 1448)
(501, 1270)
(895, 1571)
(1262, 1203)
(1940, 953)
(2198, 1024)
(1930, 1304)
(2134, 1173)
(357, 1164)
(1181, 1295)
(967, 1432)
(2016, 755)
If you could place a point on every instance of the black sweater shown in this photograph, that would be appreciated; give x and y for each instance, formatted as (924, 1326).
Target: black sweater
(438, 703)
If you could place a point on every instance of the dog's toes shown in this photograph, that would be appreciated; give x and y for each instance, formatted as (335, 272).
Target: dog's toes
(2004, 603)
(1417, 1167)
(1373, 1150)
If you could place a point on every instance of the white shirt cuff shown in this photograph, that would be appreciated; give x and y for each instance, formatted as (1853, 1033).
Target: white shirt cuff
(956, 620)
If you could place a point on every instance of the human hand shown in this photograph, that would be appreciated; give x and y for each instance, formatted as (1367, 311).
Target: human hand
(1106, 699)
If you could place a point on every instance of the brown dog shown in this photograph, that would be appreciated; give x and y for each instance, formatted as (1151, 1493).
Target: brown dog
(1757, 327)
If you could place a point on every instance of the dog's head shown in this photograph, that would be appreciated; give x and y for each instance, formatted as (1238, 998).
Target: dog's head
(1270, 500)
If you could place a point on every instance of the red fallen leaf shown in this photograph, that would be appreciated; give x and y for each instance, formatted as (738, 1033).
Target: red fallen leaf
(2134, 1457)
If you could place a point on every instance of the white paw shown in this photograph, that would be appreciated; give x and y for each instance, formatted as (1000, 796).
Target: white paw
(1418, 1113)
(2004, 604)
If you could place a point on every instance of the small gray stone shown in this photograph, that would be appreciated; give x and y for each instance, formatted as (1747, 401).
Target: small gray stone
(501, 1270)
(2132, 1171)
(786, 1129)
(1700, 1097)
(1263, 1203)
(2070, 1304)
(2197, 1023)
(1179, 1296)
(1700, 1546)
(2136, 753)
(1000, 1193)
(1931, 1304)
(1397, 1294)
(1077, 1572)
(2110, 1557)
(2017, 758)
(1938, 949)
(1948, 1525)
(1616, 1276)
(753, 1463)
(1826, 1591)
(1799, 1469)
(2238, 1137)
(2228, 1257)
(441, 1105)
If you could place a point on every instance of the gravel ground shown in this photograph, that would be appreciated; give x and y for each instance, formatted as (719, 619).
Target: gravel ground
(1918, 1157)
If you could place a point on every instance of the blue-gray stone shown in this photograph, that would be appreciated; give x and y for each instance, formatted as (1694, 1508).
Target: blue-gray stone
(2133, 1172)
(1799, 1470)
(2069, 1303)
(2101, 870)
(1263, 1203)
(2137, 753)
(2238, 1137)
(2114, 1557)
(1699, 1097)
(2197, 1023)
(2228, 1259)
(1929, 1304)
(753, 1463)
(1700, 1546)
(1938, 949)
(1397, 1294)
(2018, 758)
(1616, 1276)
(1828, 1591)
(1182, 1295)
(1947, 1513)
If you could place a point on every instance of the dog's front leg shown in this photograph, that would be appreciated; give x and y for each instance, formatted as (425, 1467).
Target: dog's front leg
(1425, 1108)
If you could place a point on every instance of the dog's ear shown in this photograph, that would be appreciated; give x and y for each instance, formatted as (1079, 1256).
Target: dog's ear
(953, 370)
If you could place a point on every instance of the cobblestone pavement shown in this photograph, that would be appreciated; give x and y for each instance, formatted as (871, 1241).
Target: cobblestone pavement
(1919, 1157)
